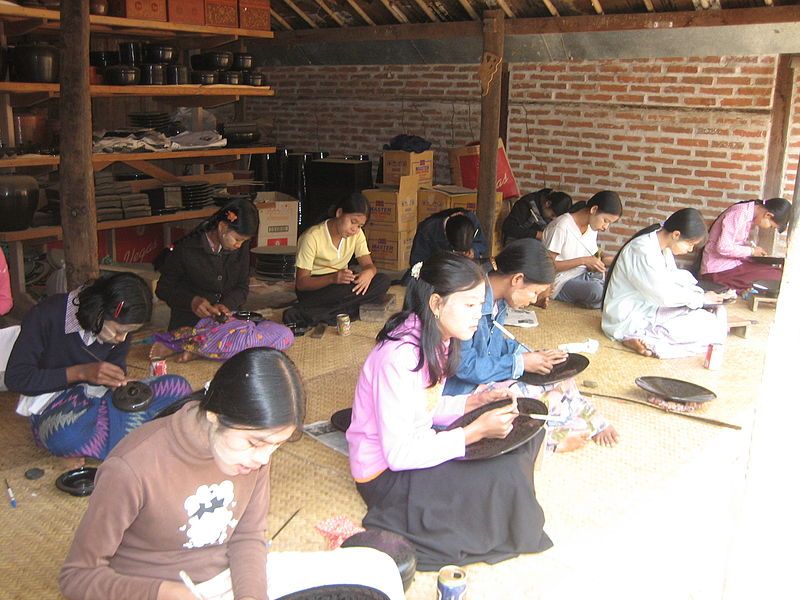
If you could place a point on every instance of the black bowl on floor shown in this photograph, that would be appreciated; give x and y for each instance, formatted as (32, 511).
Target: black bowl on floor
(78, 482)
(393, 544)
(675, 390)
(574, 364)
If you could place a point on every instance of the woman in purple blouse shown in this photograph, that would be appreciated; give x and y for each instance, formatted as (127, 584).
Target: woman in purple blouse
(454, 512)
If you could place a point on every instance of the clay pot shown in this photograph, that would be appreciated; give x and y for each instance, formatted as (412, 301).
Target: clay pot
(37, 63)
(30, 130)
(242, 61)
(98, 7)
(152, 74)
(19, 196)
(177, 74)
(121, 75)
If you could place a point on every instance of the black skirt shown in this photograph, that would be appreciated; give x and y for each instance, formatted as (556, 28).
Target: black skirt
(462, 512)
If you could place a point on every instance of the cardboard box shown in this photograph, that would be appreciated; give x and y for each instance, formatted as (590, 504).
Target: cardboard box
(148, 10)
(389, 249)
(254, 14)
(277, 213)
(431, 200)
(397, 164)
(394, 207)
(222, 13)
(191, 12)
(465, 162)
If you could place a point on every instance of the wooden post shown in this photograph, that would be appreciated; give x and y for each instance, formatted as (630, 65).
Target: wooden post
(76, 177)
(780, 122)
(491, 75)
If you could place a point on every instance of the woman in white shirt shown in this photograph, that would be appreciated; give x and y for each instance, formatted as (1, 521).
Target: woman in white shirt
(571, 240)
(651, 305)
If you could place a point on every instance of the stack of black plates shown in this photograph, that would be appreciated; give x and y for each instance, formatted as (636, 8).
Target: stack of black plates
(149, 120)
(197, 195)
(275, 262)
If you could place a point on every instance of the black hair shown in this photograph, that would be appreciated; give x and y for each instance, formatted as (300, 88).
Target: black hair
(354, 203)
(240, 215)
(258, 388)
(688, 221)
(123, 297)
(781, 210)
(607, 202)
(560, 202)
(444, 274)
(529, 257)
(460, 232)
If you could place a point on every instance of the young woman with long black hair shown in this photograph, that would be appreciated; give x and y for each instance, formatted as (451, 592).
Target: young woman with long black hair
(533, 212)
(654, 307)
(324, 283)
(571, 240)
(69, 358)
(206, 273)
(515, 277)
(454, 512)
(190, 492)
(725, 256)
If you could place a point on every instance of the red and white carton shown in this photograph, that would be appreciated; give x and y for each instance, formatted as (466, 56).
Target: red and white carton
(713, 359)
(158, 368)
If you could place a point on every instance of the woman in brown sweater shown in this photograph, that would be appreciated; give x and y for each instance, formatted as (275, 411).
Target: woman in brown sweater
(190, 492)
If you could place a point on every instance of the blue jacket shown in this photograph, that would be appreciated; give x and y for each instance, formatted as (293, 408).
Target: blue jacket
(489, 356)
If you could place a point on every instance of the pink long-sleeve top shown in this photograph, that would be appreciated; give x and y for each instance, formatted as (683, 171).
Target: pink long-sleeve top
(729, 239)
(394, 411)
(6, 302)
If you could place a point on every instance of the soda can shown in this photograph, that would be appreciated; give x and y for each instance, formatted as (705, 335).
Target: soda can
(713, 359)
(343, 324)
(452, 584)
(158, 368)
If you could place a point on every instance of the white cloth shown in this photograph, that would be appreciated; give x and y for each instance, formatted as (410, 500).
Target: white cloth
(289, 572)
(8, 335)
(679, 331)
(563, 237)
(644, 280)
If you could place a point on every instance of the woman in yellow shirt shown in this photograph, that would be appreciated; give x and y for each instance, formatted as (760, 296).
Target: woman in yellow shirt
(324, 283)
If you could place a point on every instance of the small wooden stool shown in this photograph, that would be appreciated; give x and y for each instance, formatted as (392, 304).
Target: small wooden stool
(739, 326)
(756, 301)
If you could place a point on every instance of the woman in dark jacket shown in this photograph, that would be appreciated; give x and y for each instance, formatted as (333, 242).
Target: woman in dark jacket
(206, 273)
(531, 214)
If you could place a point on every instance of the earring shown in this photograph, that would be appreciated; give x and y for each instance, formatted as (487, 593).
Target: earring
(436, 315)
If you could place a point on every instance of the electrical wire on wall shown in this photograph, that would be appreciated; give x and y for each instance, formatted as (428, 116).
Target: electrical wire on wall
(453, 125)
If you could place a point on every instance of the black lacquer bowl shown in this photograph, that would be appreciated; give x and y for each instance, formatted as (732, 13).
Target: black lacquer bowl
(574, 364)
(78, 482)
(675, 390)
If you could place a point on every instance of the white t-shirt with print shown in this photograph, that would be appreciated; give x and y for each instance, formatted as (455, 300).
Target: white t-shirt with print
(563, 237)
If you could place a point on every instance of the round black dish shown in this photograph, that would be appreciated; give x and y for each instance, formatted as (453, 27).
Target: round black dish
(248, 315)
(393, 544)
(341, 419)
(78, 482)
(675, 390)
(524, 429)
(574, 364)
(134, 396)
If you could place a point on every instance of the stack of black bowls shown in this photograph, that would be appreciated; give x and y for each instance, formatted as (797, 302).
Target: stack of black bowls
(275, 263)
(197, 195)
(229, 68)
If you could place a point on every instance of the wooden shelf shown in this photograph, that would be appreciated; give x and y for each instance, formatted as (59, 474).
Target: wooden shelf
(39, 18)
(103, 91)
(37, 160)
(54, 231)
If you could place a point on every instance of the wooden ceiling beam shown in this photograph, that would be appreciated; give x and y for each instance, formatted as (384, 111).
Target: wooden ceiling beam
(357, 7)
(280, 20)
(329, 11)
(546, 25)
(395, 10)
(423, 5)
(597, 7)
(554, 11)
(465, 4)
(301, 13)
(648, 4)
(507, 9)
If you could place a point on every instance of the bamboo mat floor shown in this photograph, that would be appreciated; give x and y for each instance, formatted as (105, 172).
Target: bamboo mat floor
(652, 517)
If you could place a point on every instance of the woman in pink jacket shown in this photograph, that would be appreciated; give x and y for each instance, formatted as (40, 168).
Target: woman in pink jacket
(454, 512)
(726, 255)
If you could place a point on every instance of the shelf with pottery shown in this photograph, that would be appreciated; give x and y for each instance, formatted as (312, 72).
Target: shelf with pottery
(21, 20)
(106, 91)
(104, 159)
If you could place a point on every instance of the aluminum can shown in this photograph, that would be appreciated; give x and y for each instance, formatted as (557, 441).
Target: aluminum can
(343, 324)
(158, 368)
(452, 583)
(713, 359)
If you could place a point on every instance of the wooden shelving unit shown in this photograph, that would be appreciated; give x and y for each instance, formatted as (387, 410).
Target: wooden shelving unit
(22, 19)
(159, 91)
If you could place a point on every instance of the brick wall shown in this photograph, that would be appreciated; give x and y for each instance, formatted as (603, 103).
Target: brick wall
(665, 133)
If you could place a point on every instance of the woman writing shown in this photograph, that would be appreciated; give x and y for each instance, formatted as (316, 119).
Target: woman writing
(531, 214)
(70, 357)
(571, 240)
(725, 256)
(206, 273)
(454, 512)
(190, 492)
(324, 283)
(516, 276)
(651, 305)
